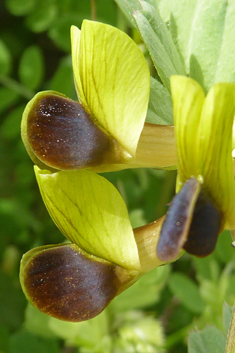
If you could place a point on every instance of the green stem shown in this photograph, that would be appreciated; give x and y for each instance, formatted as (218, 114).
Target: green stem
(93, 10)
(16, 86)
(176, 337)
(167, 191)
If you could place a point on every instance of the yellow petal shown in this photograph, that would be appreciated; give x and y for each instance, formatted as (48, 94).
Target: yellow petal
(90, 213)
(215, 149)
(188, 98)
(112, 80)
(204, 140)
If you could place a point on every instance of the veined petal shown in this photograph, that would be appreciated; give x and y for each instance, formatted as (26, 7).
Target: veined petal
(75, 49)
(90, 213)
(204, 140)
(188, 98)
(112, 79)
(215, 149)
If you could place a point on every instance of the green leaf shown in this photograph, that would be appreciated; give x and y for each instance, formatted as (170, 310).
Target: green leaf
(90, 213)
(159, 43)
(145, 292)
(225, 71)
(31, 68)
(206, 267)
(179, 18)
(186, 291)
(227, 317)
(43, 16)
(207, 28)
(7, 98)
(4, 338)
(195, 27)
(86, 334)
(11, 126)
(224, 251)
(5, 59)
(160, 105)
(60, 32)
(209, 340)
(28, 343)
(230, 346)
(62, 81)
(20, 7)
(112, 80)
(12, 302)
(128, 7)
(37, 322)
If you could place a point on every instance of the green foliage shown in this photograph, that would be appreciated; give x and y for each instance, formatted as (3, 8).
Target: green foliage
(26, 342)
(194, 22)
(31, 67)
(160, 108)
(209, 340)
(186, 291)
(171, 303)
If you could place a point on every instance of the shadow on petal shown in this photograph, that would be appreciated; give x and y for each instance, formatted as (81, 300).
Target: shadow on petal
(192, 223)
(205, 227)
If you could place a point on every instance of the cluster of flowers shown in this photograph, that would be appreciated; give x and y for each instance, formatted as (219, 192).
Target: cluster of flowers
(70, 142)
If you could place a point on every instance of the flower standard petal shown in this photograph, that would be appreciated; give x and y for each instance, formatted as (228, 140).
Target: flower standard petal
(204, 145)
(91, 213)
(75, 49)
(215, 149)
(204, 140)
(188, 98)
(113, 80)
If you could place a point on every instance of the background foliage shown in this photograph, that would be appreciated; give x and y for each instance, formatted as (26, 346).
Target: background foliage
(166, 304)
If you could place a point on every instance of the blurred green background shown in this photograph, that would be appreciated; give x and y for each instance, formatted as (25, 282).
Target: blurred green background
(156, 314)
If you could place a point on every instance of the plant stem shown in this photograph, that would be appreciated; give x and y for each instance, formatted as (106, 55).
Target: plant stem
(16, 86)
(93, 10)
